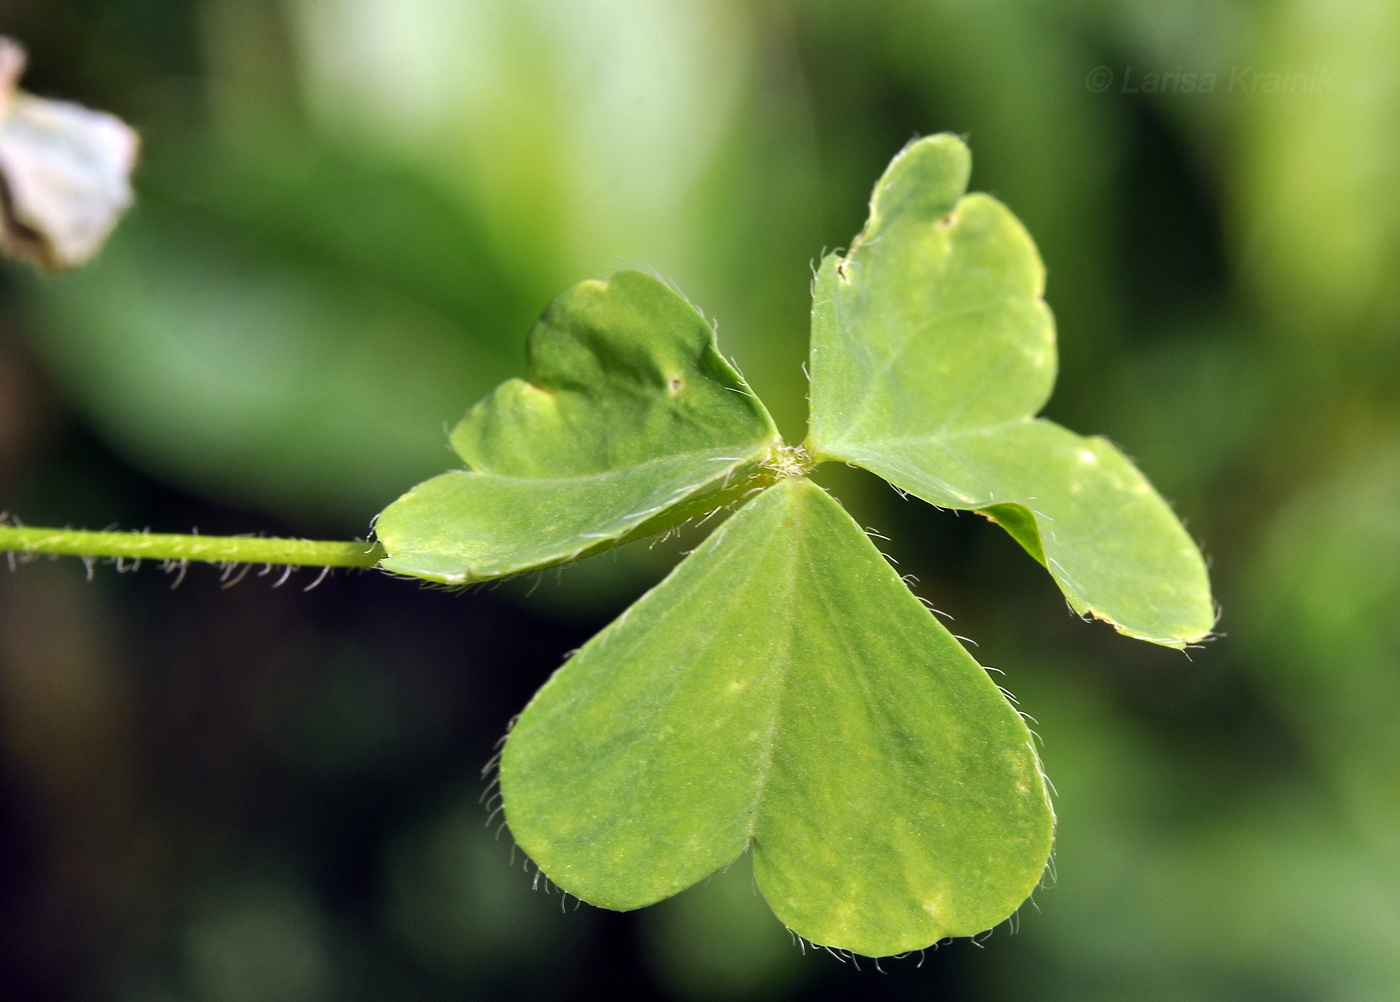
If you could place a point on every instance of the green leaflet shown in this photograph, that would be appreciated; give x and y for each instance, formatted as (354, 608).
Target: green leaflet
(783, 689)
(932, 350)
(631, 420)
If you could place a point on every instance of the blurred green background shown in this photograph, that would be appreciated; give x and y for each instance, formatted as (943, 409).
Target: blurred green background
(351, 210)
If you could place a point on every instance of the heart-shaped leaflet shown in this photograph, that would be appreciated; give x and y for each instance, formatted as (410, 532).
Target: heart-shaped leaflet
(932, 350)
(630, 421)
(783, 689)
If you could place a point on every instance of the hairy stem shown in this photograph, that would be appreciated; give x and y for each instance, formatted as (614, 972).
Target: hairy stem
(173, 547)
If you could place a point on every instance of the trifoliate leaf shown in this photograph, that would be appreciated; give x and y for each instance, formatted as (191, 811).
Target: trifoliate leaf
(932, 350)
(629, 415)
(782, 689)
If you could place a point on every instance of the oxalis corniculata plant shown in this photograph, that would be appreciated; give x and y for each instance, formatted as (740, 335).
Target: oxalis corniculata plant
(782, 691)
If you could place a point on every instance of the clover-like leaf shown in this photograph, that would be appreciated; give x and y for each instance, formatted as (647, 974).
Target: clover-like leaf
(783, 689)
(932, 350)
(631, 420)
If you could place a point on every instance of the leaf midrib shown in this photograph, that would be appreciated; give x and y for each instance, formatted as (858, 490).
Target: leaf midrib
(882, 448)
(709, 455)
(775, 725)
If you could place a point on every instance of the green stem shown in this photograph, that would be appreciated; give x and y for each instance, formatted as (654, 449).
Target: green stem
(178, 548)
